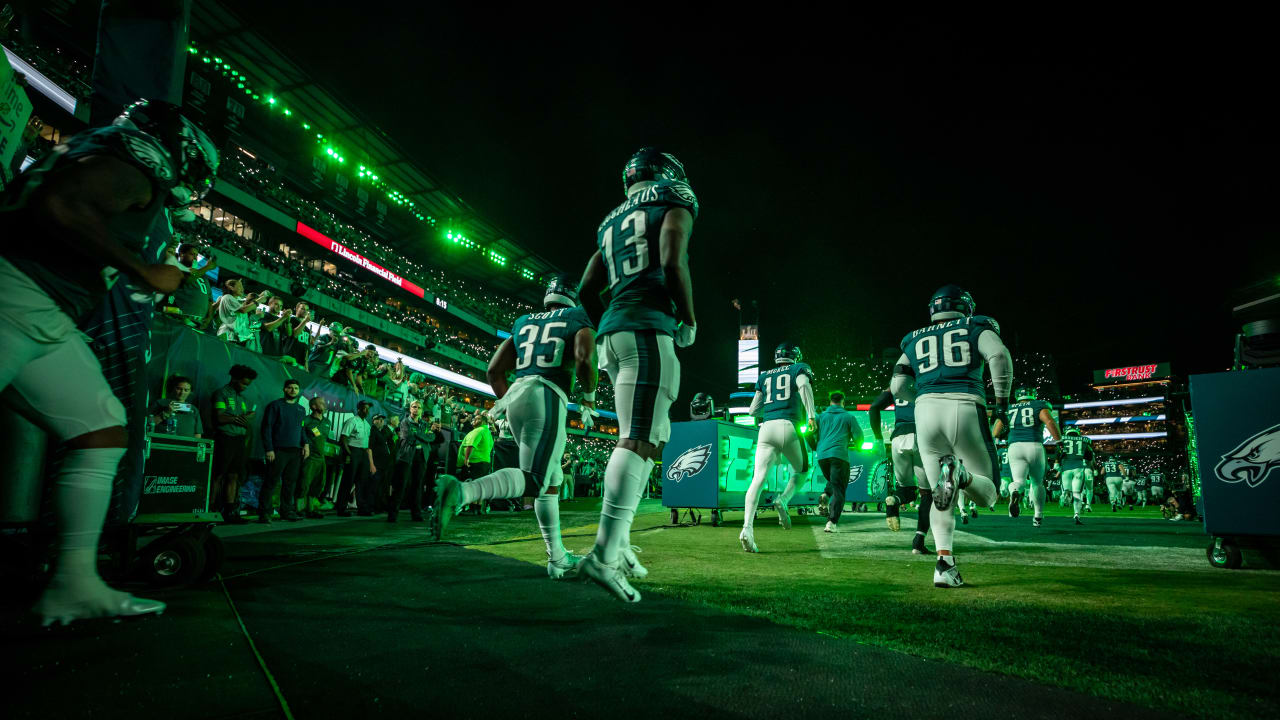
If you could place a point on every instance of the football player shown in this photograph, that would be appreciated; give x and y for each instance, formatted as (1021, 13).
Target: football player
(548, 351)
(945, 361)
(1128, 486)
(783, 402)
(1077, 453)
(1025, 421)
(1006, 475)
(1113, 476)
(909, 479)
(642, 260)
(1157, 486)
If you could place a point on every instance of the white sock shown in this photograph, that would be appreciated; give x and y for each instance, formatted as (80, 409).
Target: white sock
(499, 485)
(623, 475)
(624, 541)
(82, 494)
(943, 525)
(796, 481)
(1037, 498)
(547, 509)
(1079, 503)
(752, 501)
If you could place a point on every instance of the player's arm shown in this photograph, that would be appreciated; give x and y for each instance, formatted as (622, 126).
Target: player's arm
(584, 364)
(805, 388)
(904, 378)
(592, 284)
(999, 428)
(502, 362)
(76, 203)
(757, 402)
(882, 402)
(1000, 362)
(1046, 417)
(673, 251)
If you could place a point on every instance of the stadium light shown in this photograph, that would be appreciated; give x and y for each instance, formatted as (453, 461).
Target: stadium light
(1109, 403)
(868, 445)
(42, 84)
(739, 410)
(1122, 419)
(1128, 436)
(422, 366)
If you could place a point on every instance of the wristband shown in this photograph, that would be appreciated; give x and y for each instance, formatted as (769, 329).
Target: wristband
(589, 396)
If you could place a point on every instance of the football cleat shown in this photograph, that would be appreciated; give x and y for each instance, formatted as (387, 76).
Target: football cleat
(964, 518)
(609, 577)
(1035, 521)
(917, 545)
(1015, 505)
(1088, 508)
(1078, 521)
(784, 518)
(748, 540)
(831, 527)
(946, 575)
(448, 504)
(823, 507)
(951, 479)
(630, 564)
(566, 568)
(64, 608)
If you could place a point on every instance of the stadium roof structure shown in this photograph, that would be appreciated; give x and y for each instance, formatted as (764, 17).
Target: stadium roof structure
(216, 27)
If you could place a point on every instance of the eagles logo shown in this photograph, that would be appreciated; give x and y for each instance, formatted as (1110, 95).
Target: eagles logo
(1253, 460)
(855, 472)
(690, 463)
(684, 192)
(149, 154)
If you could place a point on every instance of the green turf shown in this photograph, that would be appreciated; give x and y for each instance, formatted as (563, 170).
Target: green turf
(1125, 607)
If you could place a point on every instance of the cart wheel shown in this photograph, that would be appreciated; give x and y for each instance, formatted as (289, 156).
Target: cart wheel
(214, 552)
(1224, 554)
(171, 562)
(675, 516)
(716, 518)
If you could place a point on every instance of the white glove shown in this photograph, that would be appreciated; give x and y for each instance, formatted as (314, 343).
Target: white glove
(684, 335)
(588, 417)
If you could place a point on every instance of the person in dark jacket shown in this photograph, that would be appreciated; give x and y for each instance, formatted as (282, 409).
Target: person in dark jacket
(411, 463)
(382, 441)
(286, 447)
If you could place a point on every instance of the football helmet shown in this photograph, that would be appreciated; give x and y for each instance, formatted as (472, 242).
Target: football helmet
(787, 353)
(951, 298)
(1073, 430)
(702, 407)
(193, 154)
(649, 163)
(1025, 393)
(560, 292)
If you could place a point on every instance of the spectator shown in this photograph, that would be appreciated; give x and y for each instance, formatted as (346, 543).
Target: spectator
(360, 466)
(173, 415)
(476, 450)
(232, 415)
(1182, 501)
(382, 442)
(275, 329)
(397, 387)
(316, 428)
(321, 353)
(191, 301)
(285, 447)
(568, 470)
(412, 457)
(230, 310)
(299, 344)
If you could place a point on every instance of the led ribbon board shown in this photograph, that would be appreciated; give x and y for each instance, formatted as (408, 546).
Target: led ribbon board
(1133, 373)
(352, 256)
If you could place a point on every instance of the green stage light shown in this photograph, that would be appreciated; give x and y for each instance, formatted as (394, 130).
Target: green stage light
(217, 60)
(191, 49)
(206, 59)
(240, 85)
(271, 100)
(868, 445)
(306, 126)
(255, 96)
(287, 111)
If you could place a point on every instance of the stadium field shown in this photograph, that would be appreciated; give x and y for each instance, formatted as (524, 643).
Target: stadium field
(1124, 607)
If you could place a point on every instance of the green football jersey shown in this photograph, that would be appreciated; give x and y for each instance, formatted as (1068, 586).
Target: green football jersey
(541, 341)
(1024, 421)
(1005, 472)
(629, 246)
(781, 401)
(945, 357)
(1157, 478)
(1075, 451)
(1111, 468)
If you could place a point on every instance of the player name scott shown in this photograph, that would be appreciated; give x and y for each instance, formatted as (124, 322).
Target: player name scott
(649, 194)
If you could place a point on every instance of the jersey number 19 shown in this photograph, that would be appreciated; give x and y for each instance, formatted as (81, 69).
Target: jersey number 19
(783, 388)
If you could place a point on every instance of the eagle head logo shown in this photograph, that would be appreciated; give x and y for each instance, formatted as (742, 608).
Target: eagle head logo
(690, 463)
(1253, 460)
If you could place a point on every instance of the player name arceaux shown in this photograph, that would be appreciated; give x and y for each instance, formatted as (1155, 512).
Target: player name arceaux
(649, 194)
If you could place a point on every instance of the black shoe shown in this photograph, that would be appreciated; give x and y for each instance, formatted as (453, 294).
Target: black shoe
(1078, 522)
(1035, 521)
(1015, 504)
(392, 517)
(264, 519)
(291, 517)
(917, 546)
(1130, 508)
(314, 515)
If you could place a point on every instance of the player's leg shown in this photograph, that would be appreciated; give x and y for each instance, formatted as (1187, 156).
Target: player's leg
(63, 391)
(1020, 468)
(937, 421)
(1088, 489)
(1073, 482)
(768, 452)
(900, 457)
(1126, 492)
(797, 455)
(838, 487)
(924, 511)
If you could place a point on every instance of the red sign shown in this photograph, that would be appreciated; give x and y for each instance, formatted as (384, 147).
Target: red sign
(1132, 373)
(322, 240)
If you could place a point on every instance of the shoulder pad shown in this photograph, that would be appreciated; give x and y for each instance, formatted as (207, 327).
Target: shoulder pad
(804, 368)
(983, 322)
(582, 317)
(138, 149)
(906, 340)
(680, 194)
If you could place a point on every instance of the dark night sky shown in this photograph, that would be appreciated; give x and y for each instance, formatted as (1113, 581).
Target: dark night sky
(1100, 203)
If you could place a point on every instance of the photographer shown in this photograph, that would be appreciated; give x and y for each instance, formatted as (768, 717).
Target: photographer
(231, 309)
(191, 301)
(173, 415)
